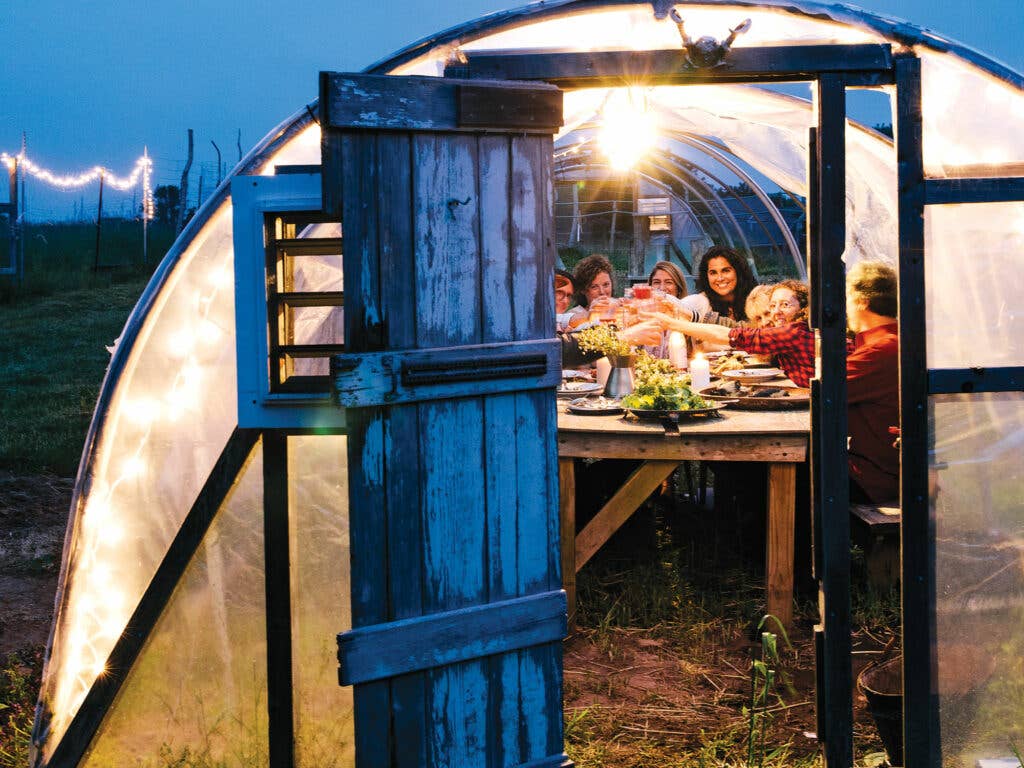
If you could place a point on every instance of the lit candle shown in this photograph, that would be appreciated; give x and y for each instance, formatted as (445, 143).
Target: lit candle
(677, 350)
(700, 372)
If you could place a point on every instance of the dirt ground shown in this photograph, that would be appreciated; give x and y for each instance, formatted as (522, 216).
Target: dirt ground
(33, 517)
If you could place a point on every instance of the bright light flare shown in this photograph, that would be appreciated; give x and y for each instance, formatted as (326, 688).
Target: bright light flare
(628, 131)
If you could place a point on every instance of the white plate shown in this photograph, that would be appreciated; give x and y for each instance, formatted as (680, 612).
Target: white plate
(578, 388)
(570, 374)
(752, 374)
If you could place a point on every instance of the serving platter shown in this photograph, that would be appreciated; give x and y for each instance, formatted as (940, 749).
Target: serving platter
(594, 406)
(758, 397)
(752, 375)
(676, 415)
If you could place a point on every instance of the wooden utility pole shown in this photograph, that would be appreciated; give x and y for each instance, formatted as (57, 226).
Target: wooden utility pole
(183, 189)
(99, 220)
(145, 207)
(12, 221)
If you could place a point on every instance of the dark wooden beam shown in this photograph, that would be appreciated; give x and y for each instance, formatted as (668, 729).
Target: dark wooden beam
(435, 104)
(277, 581)
(917, 539)
(961, 380)
(980, 190)
(90, 714)
(865, 64)
(829, 475)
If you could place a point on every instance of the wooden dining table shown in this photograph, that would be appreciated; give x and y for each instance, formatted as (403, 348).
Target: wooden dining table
(778, 438)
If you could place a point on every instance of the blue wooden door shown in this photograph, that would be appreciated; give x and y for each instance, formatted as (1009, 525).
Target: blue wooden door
(444, 193)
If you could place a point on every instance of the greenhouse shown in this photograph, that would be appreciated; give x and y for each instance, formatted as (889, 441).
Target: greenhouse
(210, 575)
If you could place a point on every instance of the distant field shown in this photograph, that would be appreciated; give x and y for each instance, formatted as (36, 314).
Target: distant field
(55, 329)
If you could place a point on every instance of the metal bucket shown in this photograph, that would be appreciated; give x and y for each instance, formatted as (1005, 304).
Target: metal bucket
(882, 686)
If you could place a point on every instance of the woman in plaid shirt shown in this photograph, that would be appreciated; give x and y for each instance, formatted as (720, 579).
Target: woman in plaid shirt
(790, 340)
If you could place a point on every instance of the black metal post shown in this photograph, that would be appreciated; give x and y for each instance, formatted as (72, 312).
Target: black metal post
(829, 471)
(917, 532)
(279, 606)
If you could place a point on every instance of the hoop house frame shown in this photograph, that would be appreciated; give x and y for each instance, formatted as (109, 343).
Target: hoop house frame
(833, 69)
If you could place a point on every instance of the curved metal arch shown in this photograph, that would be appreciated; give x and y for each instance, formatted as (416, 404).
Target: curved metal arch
(897, 30)
(693, 168)
(707, 147)
(722, 229)
(704, 198)
(773, 211)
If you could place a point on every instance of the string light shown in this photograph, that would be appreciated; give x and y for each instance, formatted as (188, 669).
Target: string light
(141, 172)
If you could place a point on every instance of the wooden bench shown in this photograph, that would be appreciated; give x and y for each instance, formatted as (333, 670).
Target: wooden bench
(876, 529)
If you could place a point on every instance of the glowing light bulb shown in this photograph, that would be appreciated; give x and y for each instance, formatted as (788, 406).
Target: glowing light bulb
(209, 332)
(221, 277)
(133, 467)
(141, 412)
(112, 534)
(100, 575)
(96, 515)
(180, 343)
(627, 133)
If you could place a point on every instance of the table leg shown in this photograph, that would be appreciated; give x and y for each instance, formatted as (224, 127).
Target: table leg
(567, 528)
(621, 507)
(779, 559)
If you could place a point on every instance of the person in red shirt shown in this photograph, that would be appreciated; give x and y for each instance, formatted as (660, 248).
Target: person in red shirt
(872, 366)
(790, 341)
(872, 382)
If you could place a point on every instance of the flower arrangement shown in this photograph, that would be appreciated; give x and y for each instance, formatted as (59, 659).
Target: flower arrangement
(604, 339)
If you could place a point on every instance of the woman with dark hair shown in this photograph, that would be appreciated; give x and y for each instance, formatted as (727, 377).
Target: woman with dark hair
(724, 279)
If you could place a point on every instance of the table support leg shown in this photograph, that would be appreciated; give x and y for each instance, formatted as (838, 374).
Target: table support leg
(567, 528)
(621, 507)
(779, 559)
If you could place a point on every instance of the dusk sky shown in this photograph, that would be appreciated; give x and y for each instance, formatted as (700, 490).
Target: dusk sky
(92, 83)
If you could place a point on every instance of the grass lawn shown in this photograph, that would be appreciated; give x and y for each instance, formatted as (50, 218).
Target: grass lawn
(52, 360)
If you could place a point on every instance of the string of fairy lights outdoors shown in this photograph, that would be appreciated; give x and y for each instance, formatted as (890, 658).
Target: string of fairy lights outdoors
(141, 173)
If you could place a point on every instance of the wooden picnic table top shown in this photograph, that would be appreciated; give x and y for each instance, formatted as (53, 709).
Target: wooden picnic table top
(731, 435)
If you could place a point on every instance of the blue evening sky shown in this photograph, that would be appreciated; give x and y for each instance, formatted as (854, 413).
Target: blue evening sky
(92, 82)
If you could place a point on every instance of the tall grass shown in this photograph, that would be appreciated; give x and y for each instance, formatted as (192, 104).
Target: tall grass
(62, 257)
(54, 329)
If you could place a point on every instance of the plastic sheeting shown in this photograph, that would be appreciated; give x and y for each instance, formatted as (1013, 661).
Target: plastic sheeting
(197, 695)
(173, 407)
(977, 482)
(974, 286)
(321, 599)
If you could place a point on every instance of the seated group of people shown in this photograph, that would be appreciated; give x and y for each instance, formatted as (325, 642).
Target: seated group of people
(730, 309)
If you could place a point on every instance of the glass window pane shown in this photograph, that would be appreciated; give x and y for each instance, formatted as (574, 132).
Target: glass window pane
(978, 499)
(974, 285)
(321, 599)
(197, 695)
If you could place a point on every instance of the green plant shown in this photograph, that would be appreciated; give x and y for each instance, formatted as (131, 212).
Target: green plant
(19, 681)
(763, 675)
(658, 386)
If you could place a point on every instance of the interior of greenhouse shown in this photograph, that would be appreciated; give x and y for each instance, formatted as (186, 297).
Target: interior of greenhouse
(720, 164)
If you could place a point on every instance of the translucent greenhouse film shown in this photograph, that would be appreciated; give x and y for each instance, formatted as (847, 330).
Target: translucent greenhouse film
(169, 405)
